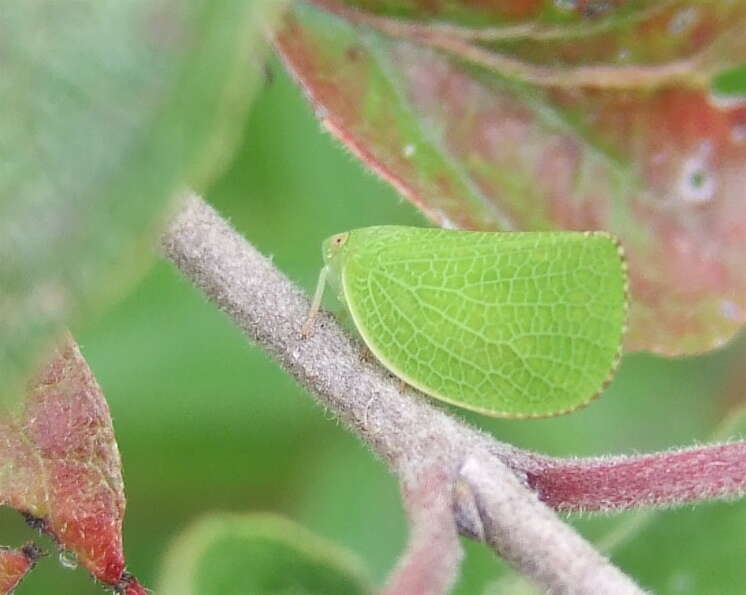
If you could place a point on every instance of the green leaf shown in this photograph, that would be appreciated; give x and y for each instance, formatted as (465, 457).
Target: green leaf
(109, 108)
(591, 122)
(257, 553)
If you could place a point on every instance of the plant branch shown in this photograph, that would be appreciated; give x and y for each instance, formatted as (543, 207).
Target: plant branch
(408, 432)
(271, 310)
(505, 511)
(430, 565)
(710, 472)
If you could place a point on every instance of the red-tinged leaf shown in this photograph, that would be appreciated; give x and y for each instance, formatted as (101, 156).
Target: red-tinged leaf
(15, 565)
(528, 14)
(60, 466)
(609, 123)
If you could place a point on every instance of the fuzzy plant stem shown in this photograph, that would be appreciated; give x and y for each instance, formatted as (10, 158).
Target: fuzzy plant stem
(431, 562)
(415, 438)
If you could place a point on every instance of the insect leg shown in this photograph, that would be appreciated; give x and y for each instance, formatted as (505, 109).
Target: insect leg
(315, 304)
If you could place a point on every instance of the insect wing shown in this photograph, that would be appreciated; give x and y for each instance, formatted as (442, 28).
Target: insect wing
(507, 324)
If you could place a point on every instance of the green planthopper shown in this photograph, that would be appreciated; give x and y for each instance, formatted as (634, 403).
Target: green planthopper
(508, 324)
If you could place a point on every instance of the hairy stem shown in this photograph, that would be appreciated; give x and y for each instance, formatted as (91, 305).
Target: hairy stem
(661, 479)
(430, 565)
(577, 568)
(412, 435)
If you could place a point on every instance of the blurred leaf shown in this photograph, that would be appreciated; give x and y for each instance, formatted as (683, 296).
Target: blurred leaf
(108, 109)
(60, 467)
(263, 554)
(15, 565)
(583, 121)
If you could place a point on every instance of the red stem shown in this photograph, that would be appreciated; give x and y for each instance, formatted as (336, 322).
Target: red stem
(617, 483)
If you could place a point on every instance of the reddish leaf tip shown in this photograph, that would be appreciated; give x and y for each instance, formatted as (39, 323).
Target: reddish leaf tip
(16, 564)
(63, 467)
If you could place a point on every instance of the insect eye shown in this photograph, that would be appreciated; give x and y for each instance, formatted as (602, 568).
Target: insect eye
(337, 241)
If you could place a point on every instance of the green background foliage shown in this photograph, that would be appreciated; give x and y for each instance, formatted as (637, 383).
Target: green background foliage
(205, 422)
(231, 554)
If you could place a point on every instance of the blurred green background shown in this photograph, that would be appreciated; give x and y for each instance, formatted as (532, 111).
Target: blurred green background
(206, 422)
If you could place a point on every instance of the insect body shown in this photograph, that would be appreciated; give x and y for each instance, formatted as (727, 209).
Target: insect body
(507, 324)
